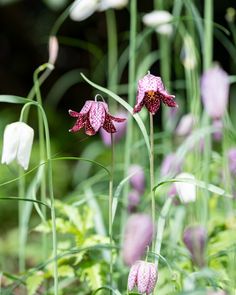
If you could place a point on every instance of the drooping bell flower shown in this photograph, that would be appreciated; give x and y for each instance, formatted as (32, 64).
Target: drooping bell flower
(195, 238)
(137, 236)
(133, 200)
(186, 190)
(53, 49)
(215, 92)
(151, 93)
(117, 4)
(232, 160)
(160, 21)
(137, 180)
(143, 275)
(185, 125)
(170, 165)
(93, 116)
(82, 9)
(120, 130)
(17, 144)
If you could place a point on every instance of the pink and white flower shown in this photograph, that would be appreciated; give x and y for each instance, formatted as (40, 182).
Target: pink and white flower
(93, 116)
(151, 93)
(143, 275)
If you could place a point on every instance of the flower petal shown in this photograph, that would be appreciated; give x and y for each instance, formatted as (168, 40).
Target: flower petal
(97, 115)
(88, 128)
(73, 114)
(143, 277)
(132, 279)
(79, 123)
(116, 119)
(86, 106)
(108, 125)
(152, 101)
(167, 99)
(25, 145)
(152, 278)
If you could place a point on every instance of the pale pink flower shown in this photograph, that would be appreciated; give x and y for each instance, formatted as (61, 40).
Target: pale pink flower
(195, 238)
(93, 116)
(215, 91)
(185, 125)
(120, 130)
(143, 275)
(151, 93)
(218, 125)
(137, 180)
(138, 235)
(232, 160)
(53, 49)
(133, 200)
(170, 165)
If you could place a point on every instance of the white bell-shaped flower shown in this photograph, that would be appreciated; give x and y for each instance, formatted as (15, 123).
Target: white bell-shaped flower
(160, 20)
(117, 4)
(82, 9)
(17, 144)
(186, 190)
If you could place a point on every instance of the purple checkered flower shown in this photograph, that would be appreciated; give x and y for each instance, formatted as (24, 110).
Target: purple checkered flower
(138, 235)
(143, 275)
(151, 93)
(137, 180)
(232, 160)
(93, 116)
(215, 92)
(195, 238)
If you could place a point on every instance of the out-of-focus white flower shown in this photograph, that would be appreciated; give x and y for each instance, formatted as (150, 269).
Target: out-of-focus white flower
(186, 191)
(160, 20)
(17, 144)
(185, 125)
(188, 53)
(117, 4)
(82, 9)
(53, 49)
(215, 91)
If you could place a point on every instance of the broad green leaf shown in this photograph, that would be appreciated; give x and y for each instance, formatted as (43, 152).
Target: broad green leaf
(33, 282)
(66, 271)
(93, 276)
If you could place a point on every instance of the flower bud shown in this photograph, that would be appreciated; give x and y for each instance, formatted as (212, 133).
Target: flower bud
(195, 240)
(143, 275)
(170, 165)
(185, 125)
(117, 4)
(17, 144)
(215, 92)
(186, 190)
(138, 235)
(133, 200)
(137, 180)
(53, 49)
(160, 20)
(232, 160)
(82, 9)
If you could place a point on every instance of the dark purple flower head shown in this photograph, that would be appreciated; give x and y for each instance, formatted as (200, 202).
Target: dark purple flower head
(215, 91)
(138, 235)
(137, 180)
(143, 275)
(133, 200)
(195, 238)
(232, 160)
(93, 116)
(120, 130)
(151, 93)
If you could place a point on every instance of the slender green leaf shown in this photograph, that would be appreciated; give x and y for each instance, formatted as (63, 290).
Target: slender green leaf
(13, 99)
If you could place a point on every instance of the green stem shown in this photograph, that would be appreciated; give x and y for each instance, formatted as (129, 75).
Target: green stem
(208, 36)
(112, 50)
(160, 228)
(21, 194)
(110, 206)
(151, 160)
(131, 96)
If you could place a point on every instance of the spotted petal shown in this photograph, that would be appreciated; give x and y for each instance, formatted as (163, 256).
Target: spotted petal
(86, 106)
(73, 114)
(108, 125)
(143, 277)
(97, 115)
(132, 279)
(152, 102)
(152, 278)
(80, 122)
(168, 99)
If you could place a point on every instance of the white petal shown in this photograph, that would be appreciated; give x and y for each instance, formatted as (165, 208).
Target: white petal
(185, 125)
(106, 4)
(159, 19)
(10, 143)
(25, 145)
(82, 9)
(185, 190)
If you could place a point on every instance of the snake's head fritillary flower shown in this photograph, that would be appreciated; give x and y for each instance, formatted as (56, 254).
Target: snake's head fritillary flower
(17, 144)
(133, 200)
(185, 125)
(170, 165)
(151, 93)
(137, 236)
(137, 180)
(185, 188)
(143, 275)
(215, 91)
(82, 9)
(120, 130)
(232, 160)
(160, 21)
(92, 117)
(195, 238)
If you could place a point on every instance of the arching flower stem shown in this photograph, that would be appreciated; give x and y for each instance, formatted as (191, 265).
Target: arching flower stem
(110, 206)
